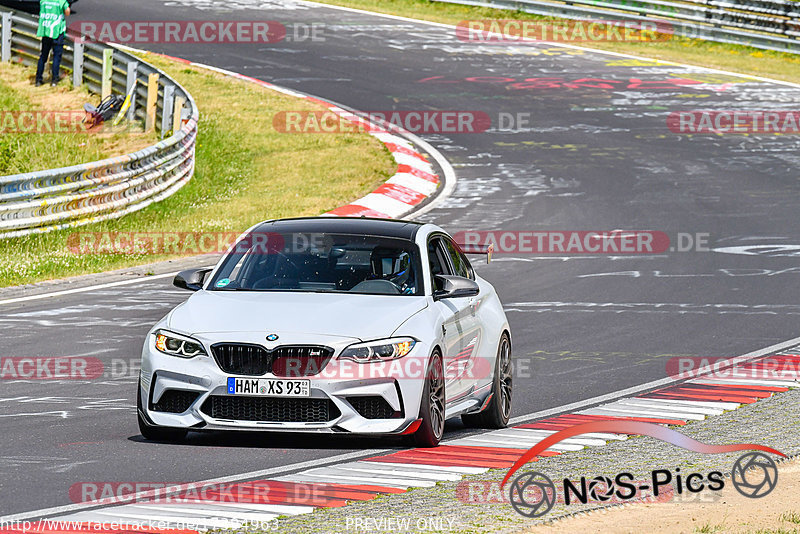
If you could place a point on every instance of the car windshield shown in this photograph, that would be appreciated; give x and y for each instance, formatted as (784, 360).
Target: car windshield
(320, 262)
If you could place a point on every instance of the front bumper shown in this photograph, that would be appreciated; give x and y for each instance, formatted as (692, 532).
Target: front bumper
(342, 387)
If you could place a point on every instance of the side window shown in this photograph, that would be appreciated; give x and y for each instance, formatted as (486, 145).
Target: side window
(470, 270)
(437, 257)
(460, 263)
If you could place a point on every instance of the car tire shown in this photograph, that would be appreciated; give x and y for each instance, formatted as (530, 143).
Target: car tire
(155, 433)
(432, 407)
(497, 413)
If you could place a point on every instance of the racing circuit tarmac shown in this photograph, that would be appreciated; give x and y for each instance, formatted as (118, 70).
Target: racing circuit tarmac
(597, 156)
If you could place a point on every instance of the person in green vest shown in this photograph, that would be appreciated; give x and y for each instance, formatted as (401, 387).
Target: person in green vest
(52, 29)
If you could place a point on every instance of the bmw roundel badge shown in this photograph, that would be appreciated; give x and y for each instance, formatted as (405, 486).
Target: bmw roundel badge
(272, 337)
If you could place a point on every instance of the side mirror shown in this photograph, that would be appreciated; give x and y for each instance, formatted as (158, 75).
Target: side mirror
(454, 287)
(191, 279)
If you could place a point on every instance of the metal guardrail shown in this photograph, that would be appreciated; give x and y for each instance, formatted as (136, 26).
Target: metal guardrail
(765, 24)
(53, 199)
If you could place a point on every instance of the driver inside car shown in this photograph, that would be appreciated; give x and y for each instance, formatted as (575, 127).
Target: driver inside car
(393, 265)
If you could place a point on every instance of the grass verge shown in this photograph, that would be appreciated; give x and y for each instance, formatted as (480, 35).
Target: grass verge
(736, 58)
(245, 172)
(68, 144)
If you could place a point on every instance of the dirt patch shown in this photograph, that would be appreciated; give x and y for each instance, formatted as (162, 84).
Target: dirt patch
(19, 79)
(778, 512)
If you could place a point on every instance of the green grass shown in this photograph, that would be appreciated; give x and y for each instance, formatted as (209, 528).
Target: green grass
(790, 517)
(25, 152)
(708, 528)
(245, 172)
(748, 60)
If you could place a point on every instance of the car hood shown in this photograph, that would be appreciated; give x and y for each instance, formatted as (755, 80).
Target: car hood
(358, 316)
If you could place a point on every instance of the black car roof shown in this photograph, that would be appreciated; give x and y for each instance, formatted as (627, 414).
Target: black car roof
(344, 225)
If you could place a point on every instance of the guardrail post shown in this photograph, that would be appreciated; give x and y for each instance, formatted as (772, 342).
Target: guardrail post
(48, 210)
(166, 109)
(108, 63)
(133, 71)
(77, 64)
(152, 102)
(177, 114)
(5, 54)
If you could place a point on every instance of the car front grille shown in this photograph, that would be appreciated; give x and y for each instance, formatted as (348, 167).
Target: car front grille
(294, 361)
(373, 407)
(286, 361)
(174, 401)
(270, 410)
(242, 359)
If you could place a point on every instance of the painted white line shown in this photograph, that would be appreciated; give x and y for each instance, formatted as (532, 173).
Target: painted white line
(569, 408)
(278, 509)
(381, 467)
(553, 43)
(533, 435)
(599, 435)
(681, 407)
(263, 473)
(628, 392)
(453, 468)
(383, 204)
(203, 511)
(152, 517)
(414, 183)
(461, 441)
(746, 381)
(620, 411)
(413, 162)
(98, 518)
(418, 157)
(391, 138)
(399, 473)
(721, 405)
(405, 141)
(407, 138)
(665, 412)
(342, 478)
(89, 288)
(479, 441)
(362, 477)
(449, 178)
(373, 13)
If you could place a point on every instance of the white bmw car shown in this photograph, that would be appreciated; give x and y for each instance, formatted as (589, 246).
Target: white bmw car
(339, 325)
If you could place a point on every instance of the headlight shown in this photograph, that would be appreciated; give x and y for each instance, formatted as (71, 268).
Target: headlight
(381, 350)
(178, 345)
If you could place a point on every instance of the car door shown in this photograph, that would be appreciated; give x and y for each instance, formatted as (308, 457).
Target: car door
(458, 323)
(470, 369)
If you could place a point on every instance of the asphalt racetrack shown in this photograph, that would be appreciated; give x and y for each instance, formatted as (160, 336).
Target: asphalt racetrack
(596, 155)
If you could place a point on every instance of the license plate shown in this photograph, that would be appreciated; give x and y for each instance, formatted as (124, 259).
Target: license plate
(269, 387)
